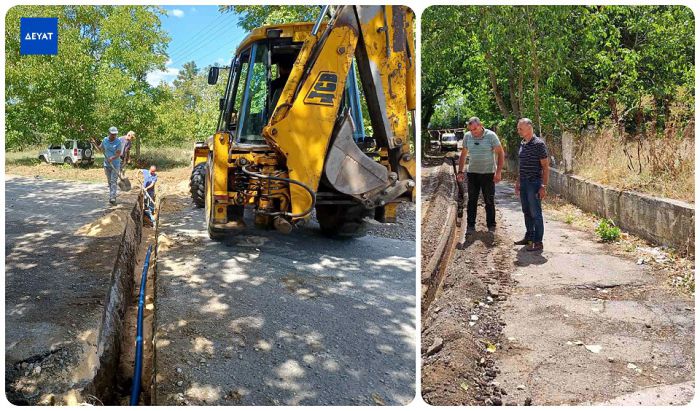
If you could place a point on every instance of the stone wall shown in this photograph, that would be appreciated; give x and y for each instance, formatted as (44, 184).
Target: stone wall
(659, 220)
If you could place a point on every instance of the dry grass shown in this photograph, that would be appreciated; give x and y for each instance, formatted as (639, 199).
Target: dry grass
(667, 163)
(173, 165)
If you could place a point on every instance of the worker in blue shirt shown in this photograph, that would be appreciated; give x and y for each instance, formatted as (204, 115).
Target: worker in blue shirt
(149, 185)
(111, 146)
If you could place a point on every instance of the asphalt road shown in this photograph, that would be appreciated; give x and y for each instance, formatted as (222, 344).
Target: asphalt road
(55, 283)
(586, 325)
(296, 319)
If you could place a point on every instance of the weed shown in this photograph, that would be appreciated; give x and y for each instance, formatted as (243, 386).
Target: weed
(569, 219)
(607, 231)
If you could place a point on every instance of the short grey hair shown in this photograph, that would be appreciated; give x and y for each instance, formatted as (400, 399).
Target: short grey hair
(473, 120)
(526, 121)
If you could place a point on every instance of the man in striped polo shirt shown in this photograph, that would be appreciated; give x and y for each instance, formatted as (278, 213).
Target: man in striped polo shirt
(531, 183)
(483, 173)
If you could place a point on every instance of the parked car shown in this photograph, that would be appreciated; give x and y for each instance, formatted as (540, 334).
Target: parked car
(448, 142)
(73, 152)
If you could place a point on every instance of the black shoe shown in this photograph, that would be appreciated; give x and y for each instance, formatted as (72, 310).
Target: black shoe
(471, 229)
(492, 228)
(524, 241)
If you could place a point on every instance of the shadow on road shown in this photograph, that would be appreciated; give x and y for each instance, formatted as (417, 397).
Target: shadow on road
(525, 258)
(299, 319)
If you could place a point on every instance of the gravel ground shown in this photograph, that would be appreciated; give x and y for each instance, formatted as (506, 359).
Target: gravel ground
(403, 229)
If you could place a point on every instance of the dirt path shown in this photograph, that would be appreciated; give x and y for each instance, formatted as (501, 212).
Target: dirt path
(577, 324)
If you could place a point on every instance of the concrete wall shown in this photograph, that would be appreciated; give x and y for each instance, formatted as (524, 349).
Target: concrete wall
(106, 358)
(659, 220)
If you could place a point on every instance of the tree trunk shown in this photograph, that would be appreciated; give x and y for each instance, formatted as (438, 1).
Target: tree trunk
(494, 84)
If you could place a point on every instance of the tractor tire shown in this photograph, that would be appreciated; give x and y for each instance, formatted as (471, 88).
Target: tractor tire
(342, 221)
(197, 178)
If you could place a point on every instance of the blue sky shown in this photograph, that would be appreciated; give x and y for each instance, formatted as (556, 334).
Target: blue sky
(198, 33)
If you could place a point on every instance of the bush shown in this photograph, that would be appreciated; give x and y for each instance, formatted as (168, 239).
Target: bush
(607, 231)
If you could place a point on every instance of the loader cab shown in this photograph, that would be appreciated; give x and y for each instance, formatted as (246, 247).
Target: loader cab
(255, 82)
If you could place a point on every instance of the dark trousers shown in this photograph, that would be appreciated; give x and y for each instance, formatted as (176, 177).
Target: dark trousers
(477, 182)
(532, 209)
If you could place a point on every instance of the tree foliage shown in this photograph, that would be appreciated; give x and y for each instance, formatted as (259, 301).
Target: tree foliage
(97, 79)
(566, 67)
(250, 17)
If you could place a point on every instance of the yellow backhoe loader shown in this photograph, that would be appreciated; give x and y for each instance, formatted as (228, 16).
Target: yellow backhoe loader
(290, 137)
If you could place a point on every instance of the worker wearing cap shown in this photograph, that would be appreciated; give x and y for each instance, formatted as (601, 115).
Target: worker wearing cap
(126, 148)
(112, 148)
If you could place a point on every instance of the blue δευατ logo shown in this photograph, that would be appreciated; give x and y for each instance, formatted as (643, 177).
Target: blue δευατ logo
(38, 35)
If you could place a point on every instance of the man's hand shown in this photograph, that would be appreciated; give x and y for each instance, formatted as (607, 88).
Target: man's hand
(542, 192)
(460, 177)
(497, 177)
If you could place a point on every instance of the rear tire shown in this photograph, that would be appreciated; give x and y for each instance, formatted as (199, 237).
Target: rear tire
(68, 161)
(197, 179)
(342, 221)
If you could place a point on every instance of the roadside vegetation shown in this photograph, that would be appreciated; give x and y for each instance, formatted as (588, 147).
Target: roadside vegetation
(620, 78)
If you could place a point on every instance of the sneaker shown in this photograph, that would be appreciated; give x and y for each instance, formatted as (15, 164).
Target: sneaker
(524, 241)
(535, 246)
(471, 229)
(492, 228)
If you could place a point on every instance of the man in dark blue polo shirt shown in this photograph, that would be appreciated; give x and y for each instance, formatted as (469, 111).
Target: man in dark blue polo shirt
(531, 184)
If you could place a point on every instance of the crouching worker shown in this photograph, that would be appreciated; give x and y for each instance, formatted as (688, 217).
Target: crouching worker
(149, 187)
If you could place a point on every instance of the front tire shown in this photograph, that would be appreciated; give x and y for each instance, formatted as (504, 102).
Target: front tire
(197, 184)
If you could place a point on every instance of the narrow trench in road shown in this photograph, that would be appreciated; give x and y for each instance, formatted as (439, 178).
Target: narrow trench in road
(127, 357)
(437, 280)
(438, 221)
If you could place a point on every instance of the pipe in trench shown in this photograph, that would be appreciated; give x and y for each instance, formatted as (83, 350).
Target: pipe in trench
(138, 360)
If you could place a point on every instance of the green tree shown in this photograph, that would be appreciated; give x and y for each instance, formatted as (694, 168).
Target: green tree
(97, 79)
(251, 17)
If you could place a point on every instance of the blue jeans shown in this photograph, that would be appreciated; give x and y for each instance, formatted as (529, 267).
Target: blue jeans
(532, 209)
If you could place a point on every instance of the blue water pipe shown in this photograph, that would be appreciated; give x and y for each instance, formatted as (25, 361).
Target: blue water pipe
(138, 360)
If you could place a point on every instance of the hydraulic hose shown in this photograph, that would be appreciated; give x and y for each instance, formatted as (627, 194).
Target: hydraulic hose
(288, 180)
(138, 358)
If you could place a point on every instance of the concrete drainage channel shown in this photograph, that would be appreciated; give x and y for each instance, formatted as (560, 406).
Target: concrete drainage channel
(436, 255)
(116, 344)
